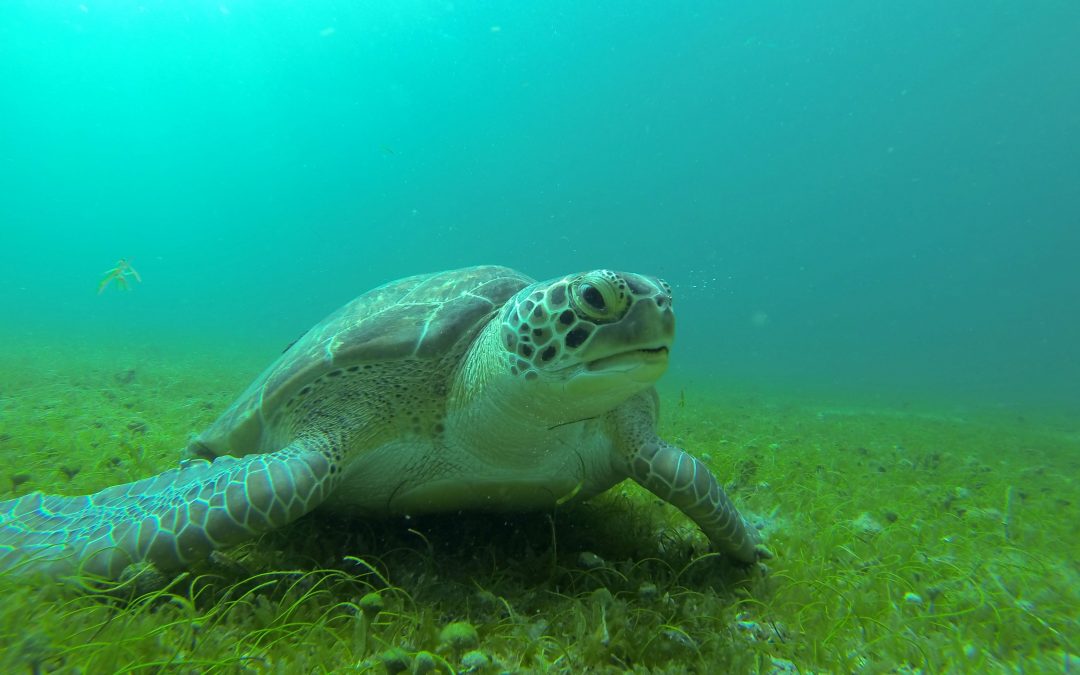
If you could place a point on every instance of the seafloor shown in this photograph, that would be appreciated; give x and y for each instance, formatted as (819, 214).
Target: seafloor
(909, 537)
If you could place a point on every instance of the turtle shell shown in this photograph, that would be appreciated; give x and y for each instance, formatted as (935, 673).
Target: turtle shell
(420, 318)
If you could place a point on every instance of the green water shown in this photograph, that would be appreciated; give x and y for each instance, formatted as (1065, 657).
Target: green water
(850, 194)
(868, 214)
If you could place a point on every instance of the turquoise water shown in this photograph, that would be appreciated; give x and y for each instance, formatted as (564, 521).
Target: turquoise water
(869, 213)
(875, 197)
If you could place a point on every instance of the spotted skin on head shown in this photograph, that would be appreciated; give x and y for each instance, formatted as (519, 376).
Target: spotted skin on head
(553, 324)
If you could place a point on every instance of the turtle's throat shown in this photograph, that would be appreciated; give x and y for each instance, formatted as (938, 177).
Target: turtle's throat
(488, 403)
(485, 398)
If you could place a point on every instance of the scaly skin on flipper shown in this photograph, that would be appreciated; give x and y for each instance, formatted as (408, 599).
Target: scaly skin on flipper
(683, 481)
(468, 389)
(170, 520)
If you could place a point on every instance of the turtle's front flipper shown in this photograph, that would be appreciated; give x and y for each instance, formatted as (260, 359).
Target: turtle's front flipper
(683, 481)
(172, 519)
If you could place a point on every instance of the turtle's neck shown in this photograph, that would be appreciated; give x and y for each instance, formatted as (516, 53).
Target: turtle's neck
(529, 428)
(486, 401)
(488, 404)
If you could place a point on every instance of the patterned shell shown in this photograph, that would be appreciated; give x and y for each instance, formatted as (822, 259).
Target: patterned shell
(421, 317)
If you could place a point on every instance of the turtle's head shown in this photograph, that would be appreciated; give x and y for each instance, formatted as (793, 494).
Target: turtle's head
(592, 339)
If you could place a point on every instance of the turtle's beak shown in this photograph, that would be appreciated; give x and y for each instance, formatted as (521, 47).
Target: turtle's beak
(644, 334)
(649, 357)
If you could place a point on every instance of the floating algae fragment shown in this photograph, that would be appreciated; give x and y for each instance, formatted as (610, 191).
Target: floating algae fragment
(119, 276)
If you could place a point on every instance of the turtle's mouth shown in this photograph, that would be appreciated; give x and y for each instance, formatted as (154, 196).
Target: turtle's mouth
(630, 359)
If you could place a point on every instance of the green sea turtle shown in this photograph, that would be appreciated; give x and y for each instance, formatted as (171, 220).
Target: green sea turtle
(476, 388)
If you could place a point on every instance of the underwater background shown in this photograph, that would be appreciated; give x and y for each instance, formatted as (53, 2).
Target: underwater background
(869, 213)
(872, 196)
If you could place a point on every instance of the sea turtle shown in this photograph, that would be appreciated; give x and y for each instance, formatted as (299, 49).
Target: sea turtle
(477, 388)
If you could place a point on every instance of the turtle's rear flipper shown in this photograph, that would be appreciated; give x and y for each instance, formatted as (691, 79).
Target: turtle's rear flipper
(171, 519)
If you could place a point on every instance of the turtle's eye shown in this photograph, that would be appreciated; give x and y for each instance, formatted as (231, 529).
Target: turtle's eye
(596, 298)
